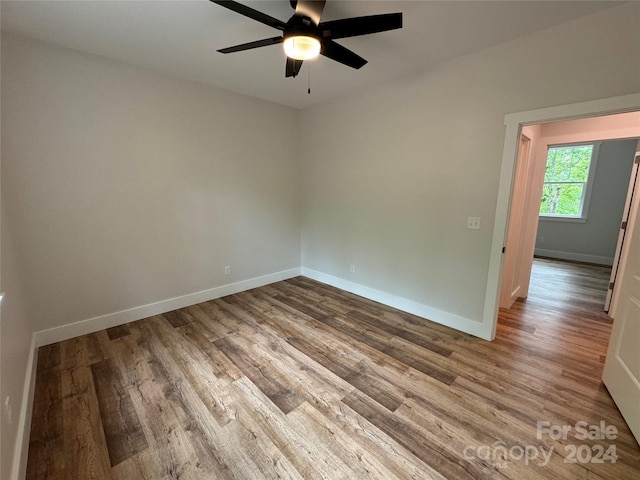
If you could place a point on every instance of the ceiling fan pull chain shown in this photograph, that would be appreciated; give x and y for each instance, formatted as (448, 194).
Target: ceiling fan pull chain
(309, 78)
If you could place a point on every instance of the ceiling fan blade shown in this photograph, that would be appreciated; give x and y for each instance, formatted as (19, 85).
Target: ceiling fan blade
(311, 9)
(250, 45)
(293, 67)
(334, 51)
(353, 27)
(253, 14)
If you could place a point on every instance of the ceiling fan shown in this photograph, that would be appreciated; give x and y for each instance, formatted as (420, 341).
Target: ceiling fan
(304, 36)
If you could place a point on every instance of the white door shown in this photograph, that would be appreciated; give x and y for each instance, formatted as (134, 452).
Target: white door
(623, 230)
(622, 367)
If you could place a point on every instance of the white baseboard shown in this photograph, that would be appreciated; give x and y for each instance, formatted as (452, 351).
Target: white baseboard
(83, 327)
(575, 257)
(439, 316)
(19, 468)
(64, 332)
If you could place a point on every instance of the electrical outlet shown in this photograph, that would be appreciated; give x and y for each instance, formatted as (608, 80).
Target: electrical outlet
(473, 223)
(352, 268)
(8, 410)
(227, 270)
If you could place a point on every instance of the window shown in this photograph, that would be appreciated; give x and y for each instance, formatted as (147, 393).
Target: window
(567, 182)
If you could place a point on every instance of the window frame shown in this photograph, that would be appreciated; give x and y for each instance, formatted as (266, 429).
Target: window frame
(588, 185)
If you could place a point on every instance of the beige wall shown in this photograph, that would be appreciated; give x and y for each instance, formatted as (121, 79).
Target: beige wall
(391, 174)
(121, 188)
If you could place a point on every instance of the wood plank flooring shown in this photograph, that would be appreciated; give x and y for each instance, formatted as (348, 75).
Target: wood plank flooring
(301, 380)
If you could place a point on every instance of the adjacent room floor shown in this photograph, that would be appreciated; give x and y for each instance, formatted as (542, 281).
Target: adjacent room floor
(568, 286)
(301, 380)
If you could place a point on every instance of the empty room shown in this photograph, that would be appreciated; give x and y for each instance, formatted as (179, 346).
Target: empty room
(300, 239)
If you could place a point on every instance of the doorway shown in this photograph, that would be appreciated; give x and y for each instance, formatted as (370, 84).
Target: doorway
(514, 124)
(592, 233)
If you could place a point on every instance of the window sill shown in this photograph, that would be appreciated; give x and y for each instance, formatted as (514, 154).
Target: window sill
(549, 218)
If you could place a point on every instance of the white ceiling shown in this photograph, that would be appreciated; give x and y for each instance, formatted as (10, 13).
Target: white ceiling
(180, 38)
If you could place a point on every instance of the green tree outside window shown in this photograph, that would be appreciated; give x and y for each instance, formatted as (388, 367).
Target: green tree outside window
(565, 180)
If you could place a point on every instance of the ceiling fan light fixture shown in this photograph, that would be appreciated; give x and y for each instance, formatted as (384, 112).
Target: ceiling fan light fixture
(301, 47)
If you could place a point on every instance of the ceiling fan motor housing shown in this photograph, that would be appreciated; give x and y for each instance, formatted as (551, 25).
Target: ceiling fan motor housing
(305, 36)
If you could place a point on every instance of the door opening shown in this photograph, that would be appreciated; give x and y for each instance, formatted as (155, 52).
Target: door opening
(591, 239)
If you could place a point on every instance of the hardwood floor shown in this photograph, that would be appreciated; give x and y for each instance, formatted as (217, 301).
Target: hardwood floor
(568, 286)
(301, 380)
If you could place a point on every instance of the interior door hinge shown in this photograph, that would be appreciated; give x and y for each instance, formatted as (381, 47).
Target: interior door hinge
(504, 249)
(611, 285)
(623, 226)
(637, 160)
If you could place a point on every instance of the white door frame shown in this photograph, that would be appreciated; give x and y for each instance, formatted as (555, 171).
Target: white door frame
(610, 303)
(511, 285)
(514, 123)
